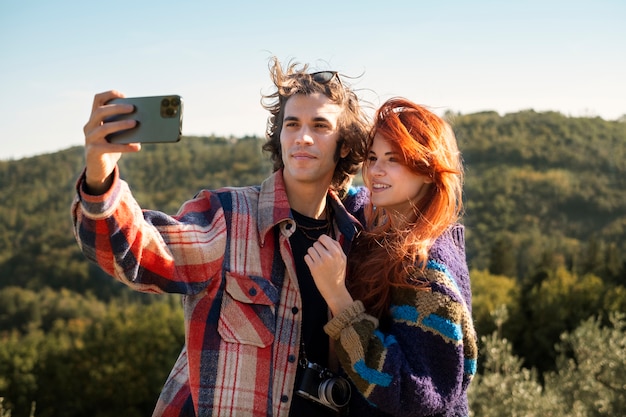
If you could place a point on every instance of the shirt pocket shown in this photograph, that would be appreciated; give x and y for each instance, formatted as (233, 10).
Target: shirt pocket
(248, 314)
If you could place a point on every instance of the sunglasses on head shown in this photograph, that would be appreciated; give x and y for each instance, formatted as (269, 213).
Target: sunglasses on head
(324, 77)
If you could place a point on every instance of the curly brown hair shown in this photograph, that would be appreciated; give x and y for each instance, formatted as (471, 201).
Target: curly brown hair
(353, 123)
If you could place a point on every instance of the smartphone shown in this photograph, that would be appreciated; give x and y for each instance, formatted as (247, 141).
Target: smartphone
(159, 120)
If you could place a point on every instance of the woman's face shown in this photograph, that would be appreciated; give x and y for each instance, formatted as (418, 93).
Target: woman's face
(392, 185)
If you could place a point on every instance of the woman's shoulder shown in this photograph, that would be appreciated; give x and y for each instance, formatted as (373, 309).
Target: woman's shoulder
(447, 259)
(449, 248)
(453, 235)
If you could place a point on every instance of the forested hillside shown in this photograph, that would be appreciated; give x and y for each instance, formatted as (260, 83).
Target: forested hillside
(546, 181)
(545, 201)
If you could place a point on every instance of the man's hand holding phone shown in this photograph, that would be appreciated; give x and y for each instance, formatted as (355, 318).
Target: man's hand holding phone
(118, 125)
(101, 156)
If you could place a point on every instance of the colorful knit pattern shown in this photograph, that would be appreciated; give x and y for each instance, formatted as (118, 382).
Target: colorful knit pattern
(425, 360)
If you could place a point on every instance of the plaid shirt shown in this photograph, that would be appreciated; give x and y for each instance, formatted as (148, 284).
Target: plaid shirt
(227, 251)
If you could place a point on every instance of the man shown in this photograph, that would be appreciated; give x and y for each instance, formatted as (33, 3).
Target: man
(253, 316)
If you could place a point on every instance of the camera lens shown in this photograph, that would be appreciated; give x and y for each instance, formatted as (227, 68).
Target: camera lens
(175, 101)
(335, 391)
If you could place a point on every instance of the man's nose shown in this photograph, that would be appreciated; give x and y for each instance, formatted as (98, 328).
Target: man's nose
(304, 136)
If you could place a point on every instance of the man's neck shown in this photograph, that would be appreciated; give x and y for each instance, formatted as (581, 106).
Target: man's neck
(307, 199)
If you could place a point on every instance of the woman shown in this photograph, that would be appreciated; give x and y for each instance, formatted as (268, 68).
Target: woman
(402, 325)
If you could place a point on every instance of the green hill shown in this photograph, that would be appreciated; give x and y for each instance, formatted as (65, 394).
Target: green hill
(535, 183)
(543, 182)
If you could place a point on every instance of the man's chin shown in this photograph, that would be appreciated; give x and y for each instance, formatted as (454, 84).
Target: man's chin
(306, 176)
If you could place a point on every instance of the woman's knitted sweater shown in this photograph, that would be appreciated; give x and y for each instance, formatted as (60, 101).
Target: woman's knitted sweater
(422, 364)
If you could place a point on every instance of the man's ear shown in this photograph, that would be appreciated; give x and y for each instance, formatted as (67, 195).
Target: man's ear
(345, 150)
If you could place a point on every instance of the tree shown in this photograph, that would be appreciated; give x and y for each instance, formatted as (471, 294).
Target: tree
(591, 368)
(19, 356)
(117, 364)
(505, 387)
(553, 303)
(589, 380)
(489, 293)
(502, 260)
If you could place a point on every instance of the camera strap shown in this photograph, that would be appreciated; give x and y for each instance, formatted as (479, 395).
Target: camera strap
(333, 360)
(303, 361)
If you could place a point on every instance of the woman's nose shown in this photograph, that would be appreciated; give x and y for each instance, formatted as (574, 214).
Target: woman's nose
(377, 169)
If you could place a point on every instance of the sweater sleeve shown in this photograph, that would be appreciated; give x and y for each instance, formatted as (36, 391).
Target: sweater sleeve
(422, 363)
(149, 250)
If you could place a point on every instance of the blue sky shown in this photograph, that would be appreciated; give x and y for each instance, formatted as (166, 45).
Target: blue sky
(464, 56)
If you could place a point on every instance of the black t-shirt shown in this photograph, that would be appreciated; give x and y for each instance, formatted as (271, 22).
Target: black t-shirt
(314, 311)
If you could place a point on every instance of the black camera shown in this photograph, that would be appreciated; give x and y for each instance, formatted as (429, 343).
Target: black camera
(324, 387)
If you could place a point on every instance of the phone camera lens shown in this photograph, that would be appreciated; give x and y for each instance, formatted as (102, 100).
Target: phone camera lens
(165, 102)
(175, 102)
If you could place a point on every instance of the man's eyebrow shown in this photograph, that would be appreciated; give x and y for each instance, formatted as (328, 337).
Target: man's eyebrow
(315, 119)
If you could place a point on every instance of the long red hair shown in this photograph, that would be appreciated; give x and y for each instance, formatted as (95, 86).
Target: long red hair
(393, 254)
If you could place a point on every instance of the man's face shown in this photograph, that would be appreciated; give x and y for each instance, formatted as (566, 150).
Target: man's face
(309, 138)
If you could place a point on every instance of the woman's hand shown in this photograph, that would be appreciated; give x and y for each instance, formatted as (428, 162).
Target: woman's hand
(101, 156)
(327, 263)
